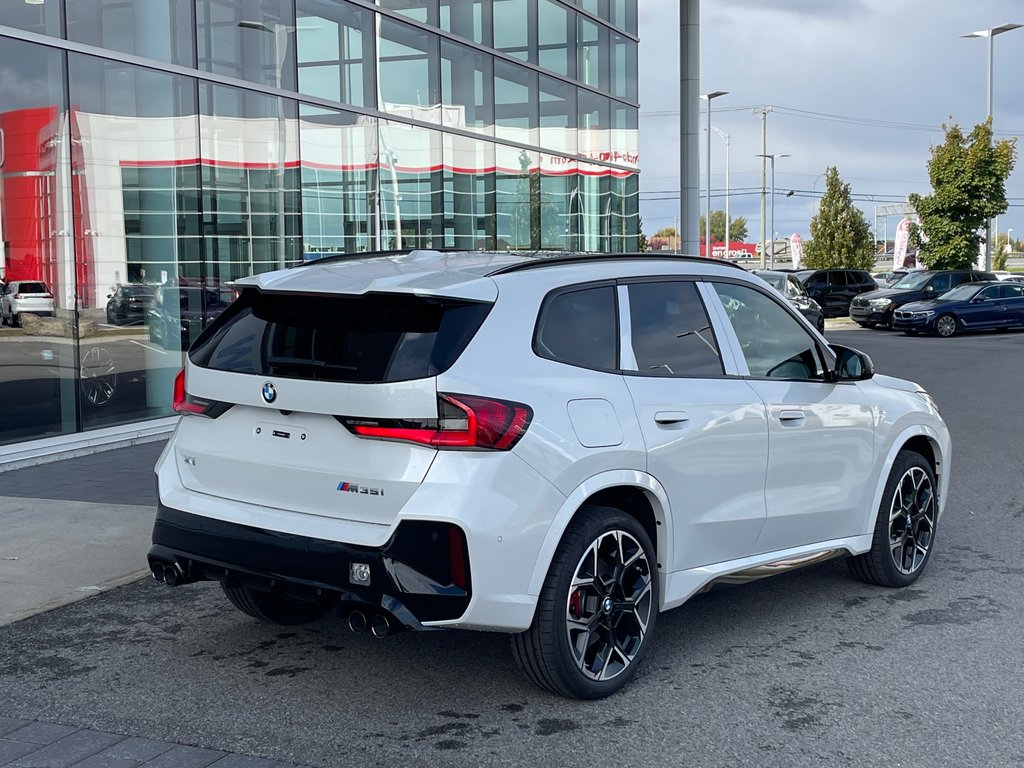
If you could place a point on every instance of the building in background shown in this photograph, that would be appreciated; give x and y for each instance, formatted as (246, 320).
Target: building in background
(155, 151)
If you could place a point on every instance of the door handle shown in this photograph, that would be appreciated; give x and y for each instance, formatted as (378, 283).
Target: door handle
(791, 416)
(671, 417)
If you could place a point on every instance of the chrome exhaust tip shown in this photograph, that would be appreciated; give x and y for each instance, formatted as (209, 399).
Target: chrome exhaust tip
(380, 626)
(357, 621)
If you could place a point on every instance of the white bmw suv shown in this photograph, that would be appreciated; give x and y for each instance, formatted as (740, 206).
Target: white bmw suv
(555, 446)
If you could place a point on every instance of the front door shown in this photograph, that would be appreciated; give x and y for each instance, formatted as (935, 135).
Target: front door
(821, 434)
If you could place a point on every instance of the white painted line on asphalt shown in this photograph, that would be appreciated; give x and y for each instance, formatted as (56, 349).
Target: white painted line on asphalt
(148, 346)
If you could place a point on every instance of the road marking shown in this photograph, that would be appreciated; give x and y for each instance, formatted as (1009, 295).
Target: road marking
(147, 346)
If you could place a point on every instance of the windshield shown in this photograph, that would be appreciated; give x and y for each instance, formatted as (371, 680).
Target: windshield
(961, 293)
(774, 279)
(913, 280)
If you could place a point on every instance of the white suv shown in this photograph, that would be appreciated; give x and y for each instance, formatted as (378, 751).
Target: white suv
(554, 446)
(24, 297)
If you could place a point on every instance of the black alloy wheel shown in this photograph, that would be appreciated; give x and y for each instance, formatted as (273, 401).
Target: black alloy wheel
(904, 532)
(597, 610)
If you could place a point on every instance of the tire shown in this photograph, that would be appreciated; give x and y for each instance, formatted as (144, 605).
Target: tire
(110, 318)
(16, 320)
(945, 325)
(910, 333)
(275, 609)
(623, 610)
(909, 496)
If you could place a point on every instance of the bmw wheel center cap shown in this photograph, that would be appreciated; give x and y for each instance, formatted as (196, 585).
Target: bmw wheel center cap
(269, 392)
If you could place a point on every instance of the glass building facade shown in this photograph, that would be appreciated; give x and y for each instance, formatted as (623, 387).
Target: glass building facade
(152, 152)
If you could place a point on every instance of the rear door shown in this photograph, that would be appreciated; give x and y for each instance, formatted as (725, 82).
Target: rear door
(1013, 299)
(290, 374)
(706, 433)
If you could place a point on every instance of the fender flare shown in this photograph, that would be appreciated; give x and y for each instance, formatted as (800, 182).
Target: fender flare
(574, 500)
(941, 459)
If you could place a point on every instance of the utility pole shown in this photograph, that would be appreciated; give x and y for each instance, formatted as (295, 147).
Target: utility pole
(763, 112)
(689, 126)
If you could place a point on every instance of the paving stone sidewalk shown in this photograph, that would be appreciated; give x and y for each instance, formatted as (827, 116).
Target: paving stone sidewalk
(26, 744)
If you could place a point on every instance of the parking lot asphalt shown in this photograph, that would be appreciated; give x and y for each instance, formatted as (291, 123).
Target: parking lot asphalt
(806, 669)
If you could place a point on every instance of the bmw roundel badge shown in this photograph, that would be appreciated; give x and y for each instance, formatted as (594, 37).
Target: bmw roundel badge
(269, 392)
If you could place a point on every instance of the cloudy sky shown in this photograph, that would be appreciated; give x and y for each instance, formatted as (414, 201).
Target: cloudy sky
(878, 76)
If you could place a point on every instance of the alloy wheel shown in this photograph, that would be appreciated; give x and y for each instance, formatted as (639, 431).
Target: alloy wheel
(98, 376)
(609, 605)
(945, 325)
(911, 520)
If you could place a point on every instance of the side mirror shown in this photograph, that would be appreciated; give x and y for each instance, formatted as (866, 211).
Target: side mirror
(851, 365)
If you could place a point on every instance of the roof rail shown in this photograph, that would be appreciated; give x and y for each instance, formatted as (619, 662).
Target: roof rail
(539, 259)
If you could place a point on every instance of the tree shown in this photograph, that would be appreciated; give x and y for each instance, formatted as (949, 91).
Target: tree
(968, 176)
(737, 227)
(666, 232)
(641, 240)
(840, 236)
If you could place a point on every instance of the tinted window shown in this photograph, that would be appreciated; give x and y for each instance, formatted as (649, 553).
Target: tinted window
(373, 338)
(31, 288)
(580, 328)
(913, 281)
(992, 292)
(961, 293)
(1011, 291)
(774, 343)
(837, 279)
(793, 287)
(671, 332)
(941, 283)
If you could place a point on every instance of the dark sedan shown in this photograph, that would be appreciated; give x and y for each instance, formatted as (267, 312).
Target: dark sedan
(972, 307)
(787, 284)
(128, 303)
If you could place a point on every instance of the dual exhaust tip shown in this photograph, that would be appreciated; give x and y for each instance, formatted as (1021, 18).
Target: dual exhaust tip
(379, 624)
(167, 573)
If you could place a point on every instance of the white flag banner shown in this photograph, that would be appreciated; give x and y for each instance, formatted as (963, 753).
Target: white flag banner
(796, 250)
(899, 246)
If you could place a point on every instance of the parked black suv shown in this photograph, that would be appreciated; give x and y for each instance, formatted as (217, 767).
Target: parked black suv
(876, 307)
(834, 289)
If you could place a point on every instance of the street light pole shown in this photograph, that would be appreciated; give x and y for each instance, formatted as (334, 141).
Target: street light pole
(709, 97)
(771, 158)
(725, 137)
(991, 34)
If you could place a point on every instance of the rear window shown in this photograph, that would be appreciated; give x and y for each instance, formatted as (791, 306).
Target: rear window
(31, 288)
(362, 339)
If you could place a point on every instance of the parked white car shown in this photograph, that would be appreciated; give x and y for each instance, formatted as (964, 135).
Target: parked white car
(558, 447)
(24, 297)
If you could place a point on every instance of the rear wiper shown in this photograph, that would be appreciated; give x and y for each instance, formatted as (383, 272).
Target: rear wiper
(305, 362)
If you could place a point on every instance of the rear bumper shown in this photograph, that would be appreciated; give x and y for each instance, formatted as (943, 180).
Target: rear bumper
(411, 576)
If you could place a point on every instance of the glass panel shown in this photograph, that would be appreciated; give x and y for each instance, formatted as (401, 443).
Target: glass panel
(592, 53)
(671, 333)
(156, 29)
(774, 343)
(557, 115)
(512, 28)
(556, 37)
(423, 11)
(517, 198)
(41, 18)
(559, 206)
(624, 67)
(468, 193)
(335, 52)
(339, 182)
(581, 328)
(411, 187)
(515, 102)
(409, 76)
(595, 207)
(249, 39)
(624, 212)
(470, 19)
(38, 365)
(622, 13)
(136, 230)
(251, 183)
(467, 91)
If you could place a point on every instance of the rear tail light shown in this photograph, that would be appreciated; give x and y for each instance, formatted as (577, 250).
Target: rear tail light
(464, 421)
(186, 403)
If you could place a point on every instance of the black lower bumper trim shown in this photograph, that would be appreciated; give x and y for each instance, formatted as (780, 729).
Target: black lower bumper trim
(421, 574)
